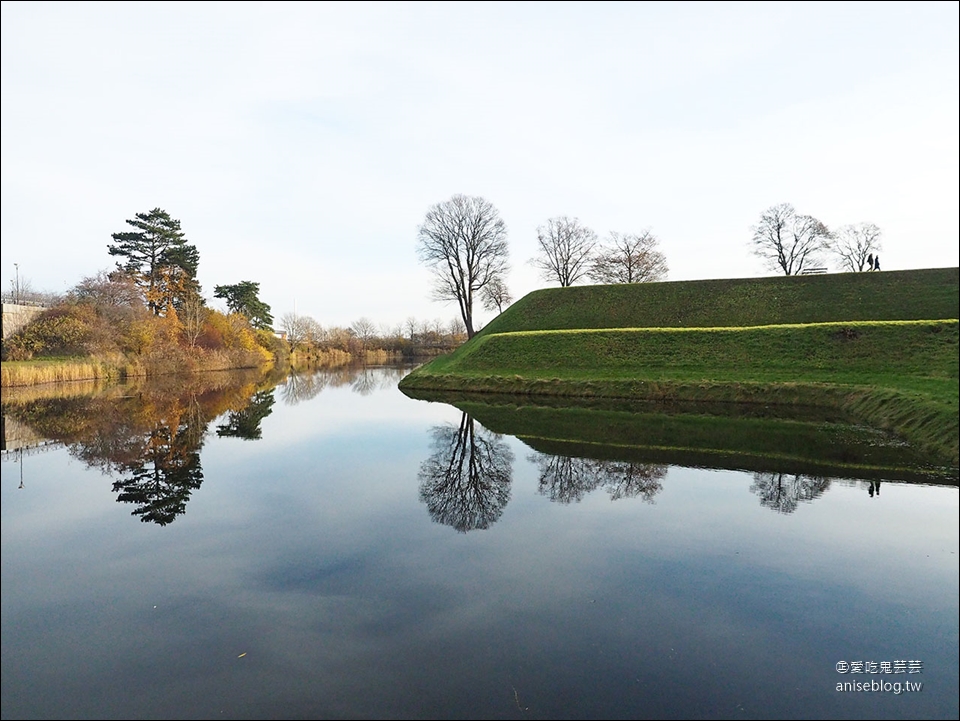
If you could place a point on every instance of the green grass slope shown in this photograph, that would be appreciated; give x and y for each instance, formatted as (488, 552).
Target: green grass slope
(883, 346)
(894, 295)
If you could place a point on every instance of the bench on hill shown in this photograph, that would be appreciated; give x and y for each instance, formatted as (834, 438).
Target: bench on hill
(812, 271)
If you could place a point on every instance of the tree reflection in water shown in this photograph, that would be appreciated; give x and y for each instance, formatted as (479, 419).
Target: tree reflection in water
(148, 435)
(300, 386)
(365, 381)
(783, 492)
(166, 471)
(305, 384)
(566, 479)
(246, 423)
(465, 482)
(161, 482)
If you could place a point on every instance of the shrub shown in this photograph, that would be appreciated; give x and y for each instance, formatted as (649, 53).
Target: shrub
(62, 330)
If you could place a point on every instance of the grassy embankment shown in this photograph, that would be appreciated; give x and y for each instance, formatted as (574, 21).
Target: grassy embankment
(58, 370)
(39, 371)
(881, 348)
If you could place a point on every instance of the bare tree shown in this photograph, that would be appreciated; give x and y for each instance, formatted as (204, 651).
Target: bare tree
(108, 288)
(464, 242)
(411, 327)
(496, 295)
(22, 291)
(391, 336)
(853, 244)
(565, 250)
(315, 334)
(337, 337)
(466, 481)
(364, 330)
(789, 241)
(456, 330)
(784, 493)
(300, 329)
(193, 315)
(629, 258)
(424, 334)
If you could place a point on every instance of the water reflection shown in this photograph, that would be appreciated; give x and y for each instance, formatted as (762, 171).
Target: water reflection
(340, 589)
(568, 479)
(305, 384)
(808, 442)
(783, 492)
(465, 482)
(148, 435)
(159, 483)
(148, 438)
(246, 423)
(459, 482)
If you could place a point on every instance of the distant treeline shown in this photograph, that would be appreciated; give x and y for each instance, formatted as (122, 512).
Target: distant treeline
(309, 340)
(105, 328)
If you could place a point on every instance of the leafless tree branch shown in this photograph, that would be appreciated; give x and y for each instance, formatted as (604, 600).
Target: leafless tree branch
(788, 241)
(565, 248)
(854, 244)
(464, 242)
(629, 258)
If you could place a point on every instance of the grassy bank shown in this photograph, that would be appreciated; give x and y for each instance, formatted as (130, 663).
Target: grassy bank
(896, 371)
(57, 370)
(35, 372)
(895, 295)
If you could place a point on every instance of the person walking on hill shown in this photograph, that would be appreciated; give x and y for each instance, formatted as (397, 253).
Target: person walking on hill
(870, 261)
(876, 262)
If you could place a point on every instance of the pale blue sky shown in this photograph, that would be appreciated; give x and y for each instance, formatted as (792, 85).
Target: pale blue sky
(300, 144)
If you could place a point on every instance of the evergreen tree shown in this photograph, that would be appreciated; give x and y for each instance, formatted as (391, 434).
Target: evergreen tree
(157, 256)
(242, 298)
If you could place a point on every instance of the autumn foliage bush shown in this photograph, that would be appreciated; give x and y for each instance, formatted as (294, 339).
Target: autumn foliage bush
(63, 330)
(126, 333)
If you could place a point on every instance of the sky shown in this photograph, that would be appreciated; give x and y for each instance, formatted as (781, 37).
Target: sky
(301, 144)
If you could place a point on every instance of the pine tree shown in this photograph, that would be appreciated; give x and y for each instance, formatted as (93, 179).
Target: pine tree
(243, 298)
(158, 258)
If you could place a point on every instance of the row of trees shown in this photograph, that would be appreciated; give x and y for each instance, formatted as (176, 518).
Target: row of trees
(791, 242)
(569, 252)
(413, 337)
(150, 308)
(463, 242)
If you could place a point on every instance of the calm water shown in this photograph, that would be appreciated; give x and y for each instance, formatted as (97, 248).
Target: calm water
(329, 548)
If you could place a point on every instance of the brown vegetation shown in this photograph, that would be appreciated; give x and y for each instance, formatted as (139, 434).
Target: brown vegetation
(104, 329)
